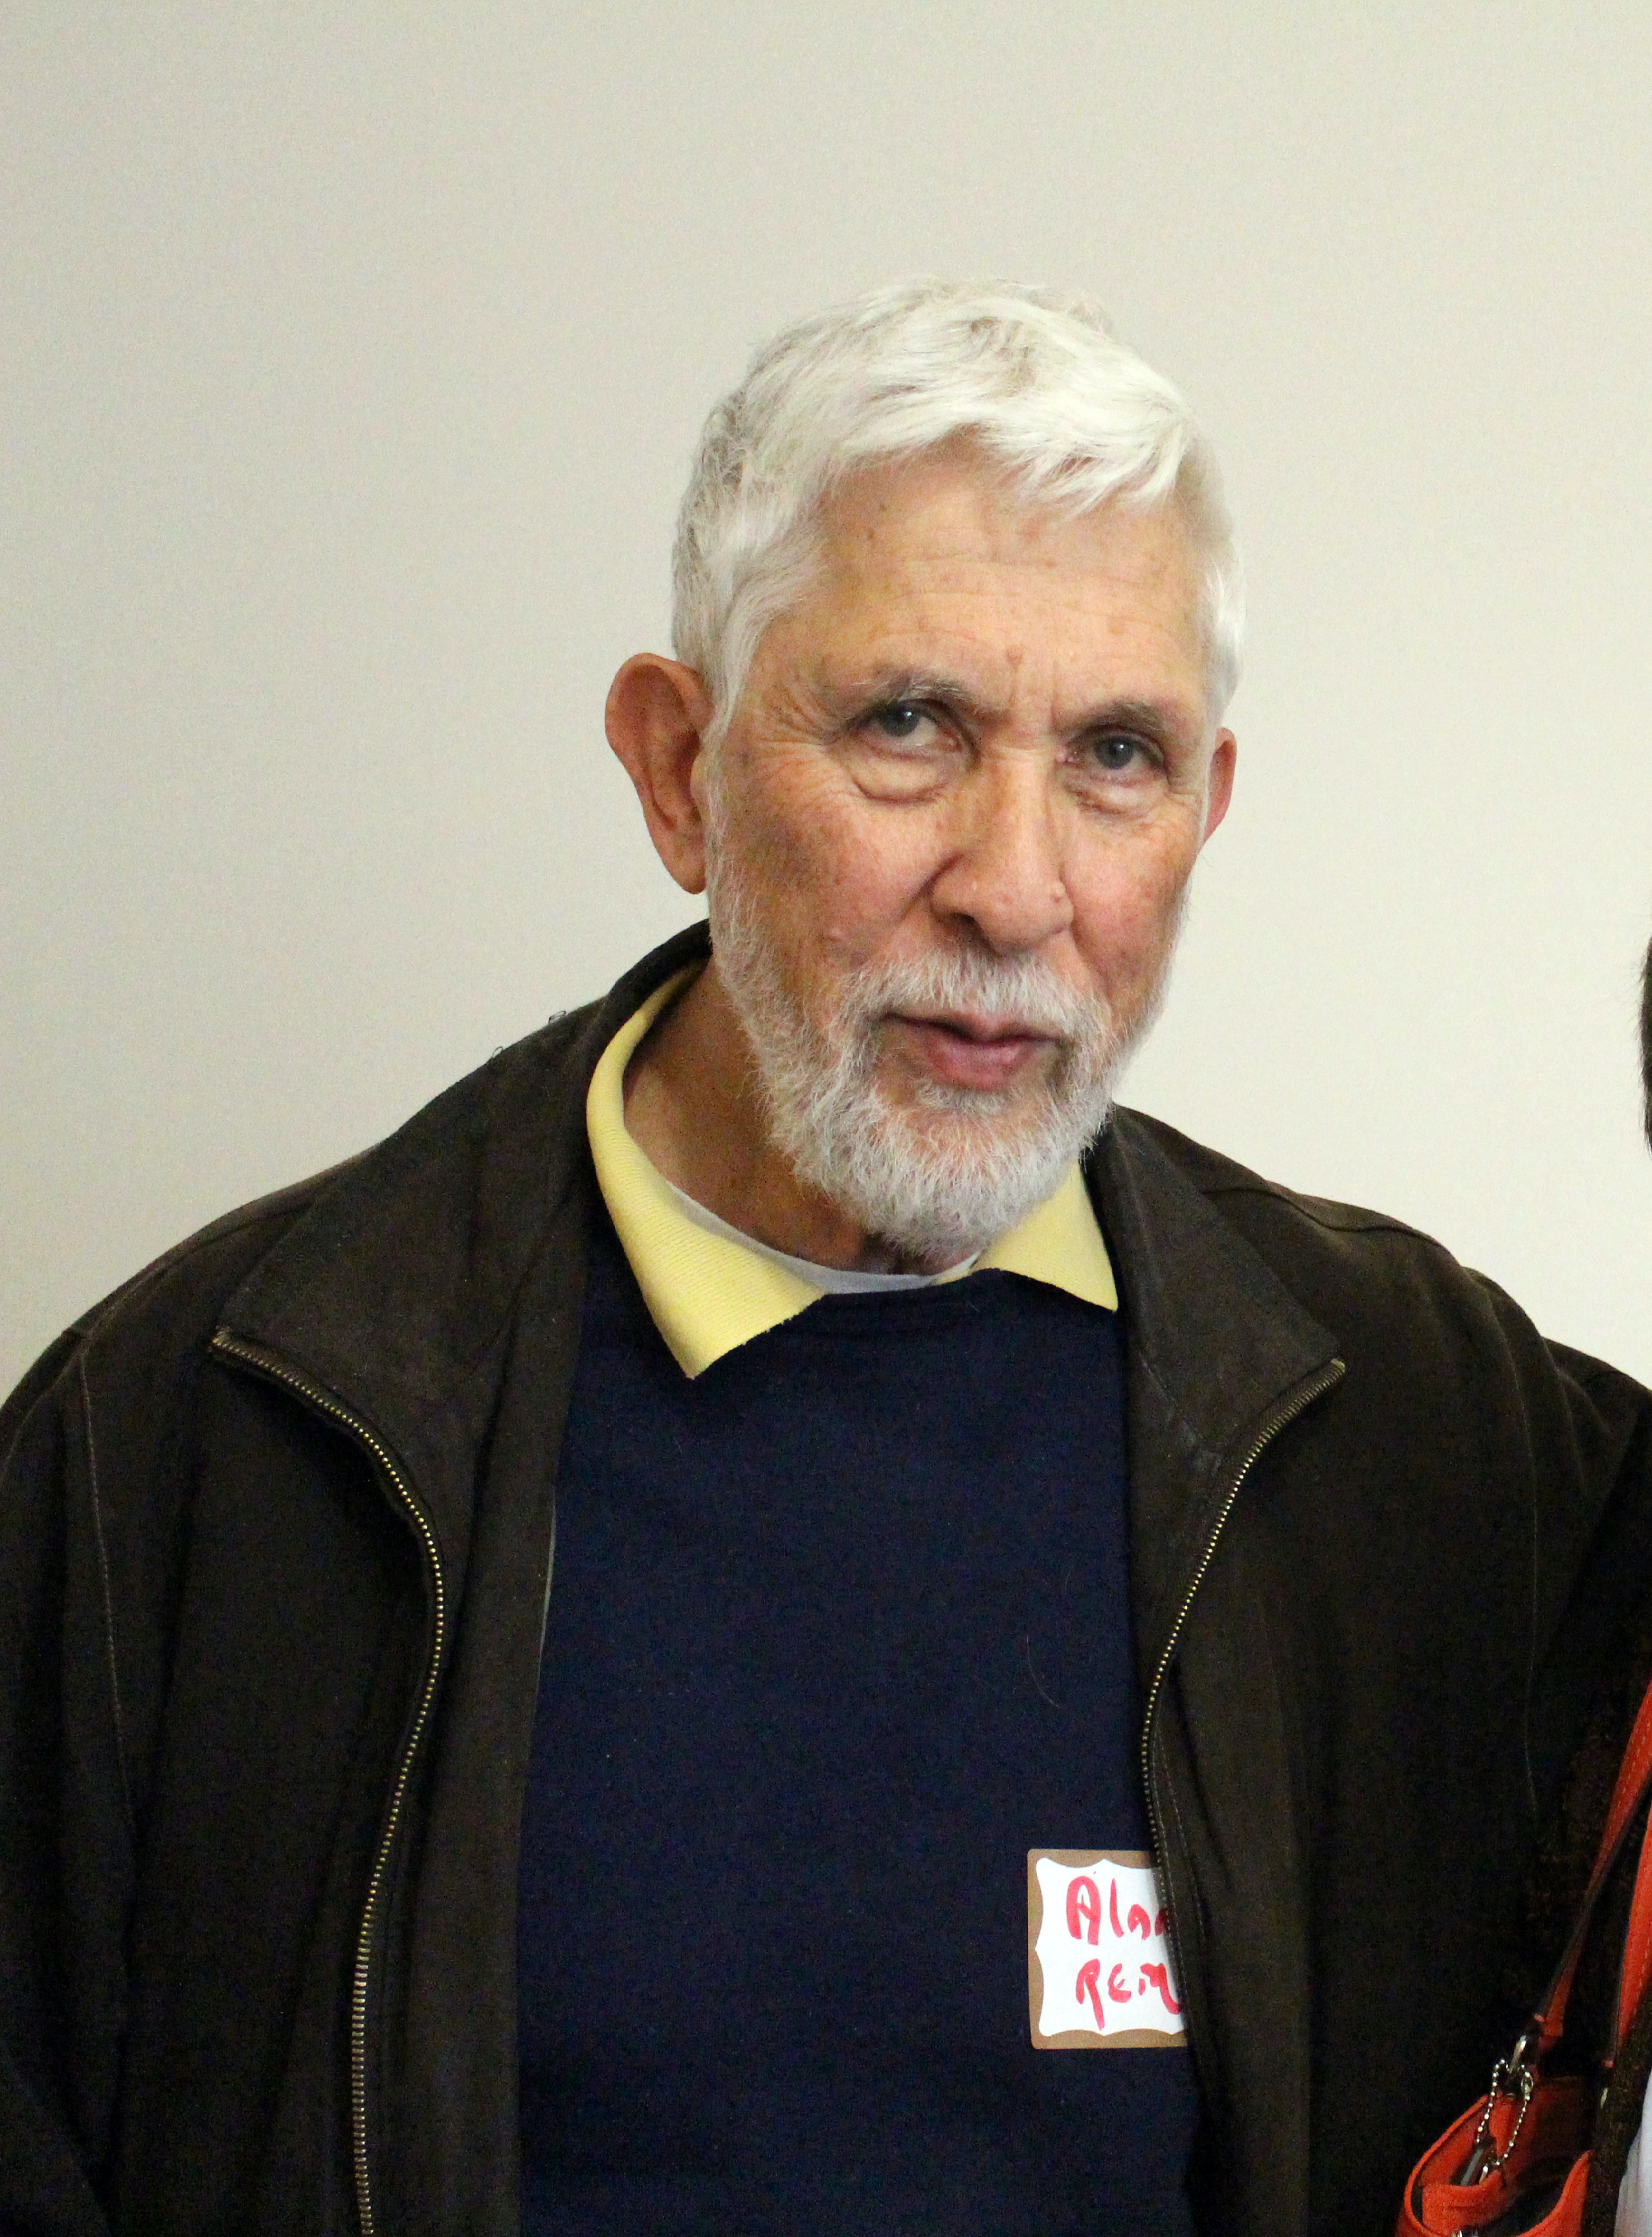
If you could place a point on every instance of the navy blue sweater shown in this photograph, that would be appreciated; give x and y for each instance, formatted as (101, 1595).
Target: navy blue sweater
(838, 1631)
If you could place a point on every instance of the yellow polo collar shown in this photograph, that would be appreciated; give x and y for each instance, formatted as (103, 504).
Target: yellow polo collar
(708, 1293)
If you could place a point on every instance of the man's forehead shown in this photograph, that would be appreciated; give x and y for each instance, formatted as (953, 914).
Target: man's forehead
(971, 594)
(953, 500)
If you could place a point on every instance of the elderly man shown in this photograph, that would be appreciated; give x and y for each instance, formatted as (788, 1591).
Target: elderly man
(772, 1618)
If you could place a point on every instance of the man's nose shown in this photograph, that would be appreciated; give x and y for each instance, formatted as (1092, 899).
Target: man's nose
(1004, 874)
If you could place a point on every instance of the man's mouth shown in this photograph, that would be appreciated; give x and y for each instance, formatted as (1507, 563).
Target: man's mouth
(961, 1050)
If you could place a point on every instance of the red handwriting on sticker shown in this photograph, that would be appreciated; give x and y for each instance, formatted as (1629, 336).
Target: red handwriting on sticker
(1089, 1978)
(1084, 1909)
(1116, 1988)
(1158, 1977)
(1137, 1923)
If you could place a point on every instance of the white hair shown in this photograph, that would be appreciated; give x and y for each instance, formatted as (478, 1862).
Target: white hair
(1036, 379)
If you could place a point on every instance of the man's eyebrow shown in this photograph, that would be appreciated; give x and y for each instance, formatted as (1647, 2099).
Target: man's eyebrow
(882, 687)
(1153, 715)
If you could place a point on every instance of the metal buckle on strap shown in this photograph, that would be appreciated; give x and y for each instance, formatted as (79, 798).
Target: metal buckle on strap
(1512, 2077)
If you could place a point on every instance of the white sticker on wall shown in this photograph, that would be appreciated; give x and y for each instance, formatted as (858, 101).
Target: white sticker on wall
(1099, 1975)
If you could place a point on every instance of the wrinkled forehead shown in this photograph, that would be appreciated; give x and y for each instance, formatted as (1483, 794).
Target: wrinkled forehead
(946, 547)
(952, 512)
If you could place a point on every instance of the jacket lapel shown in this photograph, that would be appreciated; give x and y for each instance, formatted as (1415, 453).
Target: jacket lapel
(398, 1291)
(1215, 1343)
(1218, 1352)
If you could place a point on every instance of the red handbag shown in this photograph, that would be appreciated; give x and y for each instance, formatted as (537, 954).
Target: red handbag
(1518, 2161)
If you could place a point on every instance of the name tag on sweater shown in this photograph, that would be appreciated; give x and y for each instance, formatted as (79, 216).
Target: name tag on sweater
(1099, 1974)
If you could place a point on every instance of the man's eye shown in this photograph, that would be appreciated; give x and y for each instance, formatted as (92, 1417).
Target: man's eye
(1116, 752)
(904, 721)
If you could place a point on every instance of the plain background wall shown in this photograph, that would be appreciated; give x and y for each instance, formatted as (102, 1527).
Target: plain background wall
(350, 359)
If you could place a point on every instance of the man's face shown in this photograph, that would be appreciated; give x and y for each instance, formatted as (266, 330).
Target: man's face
(959, 802)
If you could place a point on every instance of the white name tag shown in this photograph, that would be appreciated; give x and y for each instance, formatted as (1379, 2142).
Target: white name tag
(1098, 1965)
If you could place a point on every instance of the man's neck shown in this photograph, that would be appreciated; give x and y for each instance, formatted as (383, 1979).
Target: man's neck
(692, 1106)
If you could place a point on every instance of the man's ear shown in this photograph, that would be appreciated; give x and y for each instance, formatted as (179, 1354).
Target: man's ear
(1219, 790)
(658, 714)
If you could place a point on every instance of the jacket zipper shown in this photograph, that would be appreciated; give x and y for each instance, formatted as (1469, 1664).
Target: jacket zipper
(1281, 1418)
(323, 1401)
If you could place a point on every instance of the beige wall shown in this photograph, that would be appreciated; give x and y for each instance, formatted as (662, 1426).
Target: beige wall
(349, 358)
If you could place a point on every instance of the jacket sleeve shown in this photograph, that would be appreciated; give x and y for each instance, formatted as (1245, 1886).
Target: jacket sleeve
(65, 1835)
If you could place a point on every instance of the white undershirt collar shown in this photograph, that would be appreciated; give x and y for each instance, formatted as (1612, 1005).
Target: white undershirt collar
(836, 1281)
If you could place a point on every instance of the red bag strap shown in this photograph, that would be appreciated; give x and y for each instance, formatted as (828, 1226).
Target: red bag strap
(1633, 1785)
(1637, 1964)
(1515, 2076)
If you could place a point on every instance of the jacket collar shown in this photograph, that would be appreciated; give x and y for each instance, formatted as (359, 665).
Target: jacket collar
(1216, 1345)
(397, 1292)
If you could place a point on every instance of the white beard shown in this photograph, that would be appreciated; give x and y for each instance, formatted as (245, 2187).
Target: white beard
(931, 1193)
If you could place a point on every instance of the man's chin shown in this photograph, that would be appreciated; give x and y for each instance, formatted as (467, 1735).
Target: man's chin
(936, 1116)
(972, 1132)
